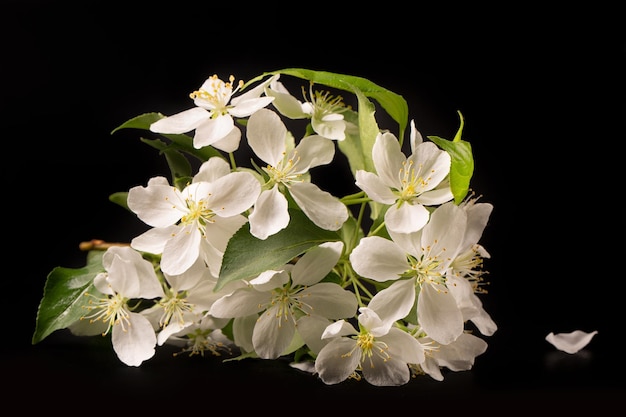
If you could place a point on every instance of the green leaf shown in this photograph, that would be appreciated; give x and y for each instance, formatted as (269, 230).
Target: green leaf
(462, 164)
(120, 198)
(394, 104)
(246, 256)
(358, 149)
(142, 121)
(64, 296)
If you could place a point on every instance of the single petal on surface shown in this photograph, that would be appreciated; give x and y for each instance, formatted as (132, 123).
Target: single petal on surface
(321, 207)
(337, 360)
(182, 122)
(136, 343)
(379, 259)
(570, 342)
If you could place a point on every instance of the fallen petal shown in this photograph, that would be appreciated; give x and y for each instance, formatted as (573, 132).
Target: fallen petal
(570, 342)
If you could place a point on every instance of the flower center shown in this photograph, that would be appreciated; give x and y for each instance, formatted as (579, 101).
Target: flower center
(285, 172)
(370, 347)
(469, 266)
(111, 309)
(198, 212)
(174, 305)
(200, 341)
(324, 103)
(288, 300)
(218, 94)
(412, 182)
(428, 269)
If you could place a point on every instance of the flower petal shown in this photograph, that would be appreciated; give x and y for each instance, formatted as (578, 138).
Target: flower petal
(337, 360)
(266, 136)
(273, 332)
(329, 300)
(240, 303)
(321, 207)
(388, 159)
(374, 187)
(182, 122)
(316, 263)
(270, 214)
(213, 130)
(570, 342)
(379, 259)
(136, 342)
(394, 302)
(439, 315)
(407, 218)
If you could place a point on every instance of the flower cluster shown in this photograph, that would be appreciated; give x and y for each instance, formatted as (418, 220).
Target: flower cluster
(259, 261)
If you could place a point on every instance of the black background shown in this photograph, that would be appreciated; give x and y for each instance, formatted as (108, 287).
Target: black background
(542, 96)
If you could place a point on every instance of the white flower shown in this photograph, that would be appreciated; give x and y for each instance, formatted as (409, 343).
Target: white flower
(286, 296)
(406, 184)
(424, 257)
(379, 350)
(186, 301)
(287, 170)
(465, 276)
(195, 222)
(212, 119)
(570, 342)
(459, 355)
(324, 110)
(128, 276)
